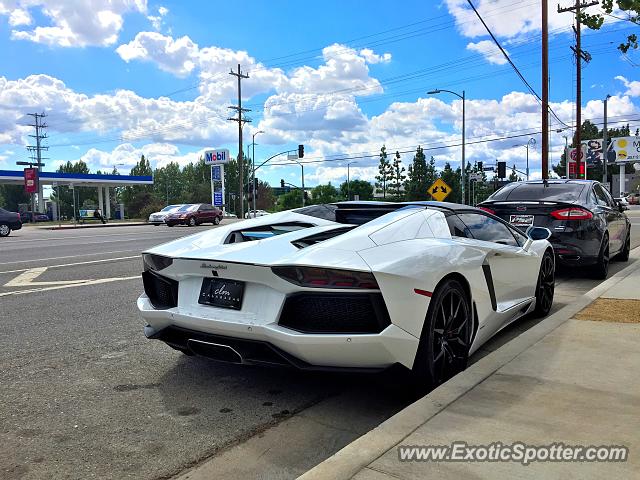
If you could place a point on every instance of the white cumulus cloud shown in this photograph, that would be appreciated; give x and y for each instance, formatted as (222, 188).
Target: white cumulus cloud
(71, 23)
(490, 51)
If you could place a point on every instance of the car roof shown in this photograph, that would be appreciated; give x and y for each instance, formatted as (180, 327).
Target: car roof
(382, 204)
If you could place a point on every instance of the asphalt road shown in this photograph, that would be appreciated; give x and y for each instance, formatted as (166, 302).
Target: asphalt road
(85, 395)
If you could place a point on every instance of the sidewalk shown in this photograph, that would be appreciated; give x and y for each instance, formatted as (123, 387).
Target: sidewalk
(67, 226)
(573, 378)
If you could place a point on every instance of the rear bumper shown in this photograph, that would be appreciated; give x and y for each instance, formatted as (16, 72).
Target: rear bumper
(278, 345)
(576, 248)
(176, 221)
(15, 225)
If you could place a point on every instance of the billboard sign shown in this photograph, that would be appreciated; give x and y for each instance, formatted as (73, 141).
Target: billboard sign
(627, 149)
(30, 180)
(216, 157)
(215, 173)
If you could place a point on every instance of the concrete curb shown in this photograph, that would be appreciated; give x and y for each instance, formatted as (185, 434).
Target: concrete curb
(357, 455)
(74, 227)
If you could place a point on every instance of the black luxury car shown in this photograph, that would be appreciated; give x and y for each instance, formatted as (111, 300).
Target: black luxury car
(588, 227)
(9, 221)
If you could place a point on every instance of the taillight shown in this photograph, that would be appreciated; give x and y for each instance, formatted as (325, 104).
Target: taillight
(572, 213)
(488, 210)
(326, 278)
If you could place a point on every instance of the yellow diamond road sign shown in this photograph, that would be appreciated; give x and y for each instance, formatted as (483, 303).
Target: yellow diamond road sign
(439, 190)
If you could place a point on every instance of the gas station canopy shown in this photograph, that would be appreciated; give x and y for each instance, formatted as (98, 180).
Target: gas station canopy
(77, 179)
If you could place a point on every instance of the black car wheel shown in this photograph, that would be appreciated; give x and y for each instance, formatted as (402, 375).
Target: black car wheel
(446, 337)
(5, 230)
(192, 222)
(216, 221)
(623, 256)
(546, 285)
(601, 269)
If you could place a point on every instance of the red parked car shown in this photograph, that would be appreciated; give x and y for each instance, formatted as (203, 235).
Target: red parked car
(194, 214)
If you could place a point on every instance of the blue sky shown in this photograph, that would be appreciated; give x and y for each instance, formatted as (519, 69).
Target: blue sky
(122, 78)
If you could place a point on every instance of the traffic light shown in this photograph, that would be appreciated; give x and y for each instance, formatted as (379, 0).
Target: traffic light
(502, 169)
(282, 183)
(479, 166)
(300, 151)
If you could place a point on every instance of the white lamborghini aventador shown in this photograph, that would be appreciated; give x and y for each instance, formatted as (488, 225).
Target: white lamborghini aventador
(355, 285)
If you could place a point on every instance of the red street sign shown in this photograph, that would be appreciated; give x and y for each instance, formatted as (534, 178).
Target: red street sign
(30, 180)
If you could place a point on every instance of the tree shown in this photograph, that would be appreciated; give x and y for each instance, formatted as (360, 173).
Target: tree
(361, 188)
(265, 199)
(385, 171)
(417, 184)
(136, 197)
(513, 176)
(195, 182)
(629, 7)
(13, 195)
(397, 177)
(289, 200)
(84, 196)
(452, 178)
(168, 185)
(324, 194)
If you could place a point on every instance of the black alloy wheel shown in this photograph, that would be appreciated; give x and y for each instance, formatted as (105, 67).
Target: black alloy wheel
(546, 285)
(601, 269)
(446, 337)
(623, 256)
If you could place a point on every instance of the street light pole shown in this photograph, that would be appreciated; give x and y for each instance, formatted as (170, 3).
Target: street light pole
(462, 171)
(605, 151)
(348, 182)
(253, 169)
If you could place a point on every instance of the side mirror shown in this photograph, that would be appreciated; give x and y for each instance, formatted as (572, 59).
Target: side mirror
(536, 233)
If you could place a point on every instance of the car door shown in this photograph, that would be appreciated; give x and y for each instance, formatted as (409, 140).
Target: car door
(621, 218)
(204, 214)
(612, 216)
(511, 271)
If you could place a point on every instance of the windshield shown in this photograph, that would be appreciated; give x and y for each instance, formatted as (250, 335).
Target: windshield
(553, 192)
(187, 208)
(170, 207)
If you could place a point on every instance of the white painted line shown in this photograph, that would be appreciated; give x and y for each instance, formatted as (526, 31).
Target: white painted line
(58, 287)
(135, 235)
(76, 263)
(67, 256)
(27, 279)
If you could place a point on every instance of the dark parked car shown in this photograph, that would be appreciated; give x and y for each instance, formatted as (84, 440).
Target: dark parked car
(29, 217)
(9, 221)
(194, 214)
(587, 225)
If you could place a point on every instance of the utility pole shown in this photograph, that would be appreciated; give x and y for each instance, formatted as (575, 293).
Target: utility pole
(36, 154)
(545, 94)
(241, 121)
(580, 55)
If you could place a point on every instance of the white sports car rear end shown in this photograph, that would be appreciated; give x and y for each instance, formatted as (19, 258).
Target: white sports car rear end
(357, 285)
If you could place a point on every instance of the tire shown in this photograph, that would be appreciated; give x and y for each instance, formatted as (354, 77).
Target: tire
(446, 337)
(216, 221)
(623, 256)
(601, 269)
(5, 230)
(170, 225)
(192, 222)
(546, 285)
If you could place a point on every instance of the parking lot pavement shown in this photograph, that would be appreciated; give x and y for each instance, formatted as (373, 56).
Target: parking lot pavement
(84, 394)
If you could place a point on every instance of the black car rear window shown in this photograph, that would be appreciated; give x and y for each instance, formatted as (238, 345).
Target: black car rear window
(552, 192)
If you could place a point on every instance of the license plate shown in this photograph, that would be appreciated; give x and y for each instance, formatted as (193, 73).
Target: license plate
(521, 220)
(220, 292)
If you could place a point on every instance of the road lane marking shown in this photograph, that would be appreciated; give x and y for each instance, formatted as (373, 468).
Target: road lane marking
(135, 235)
(67, 256)
(58, 287)
(88, 262)
(27, 279)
